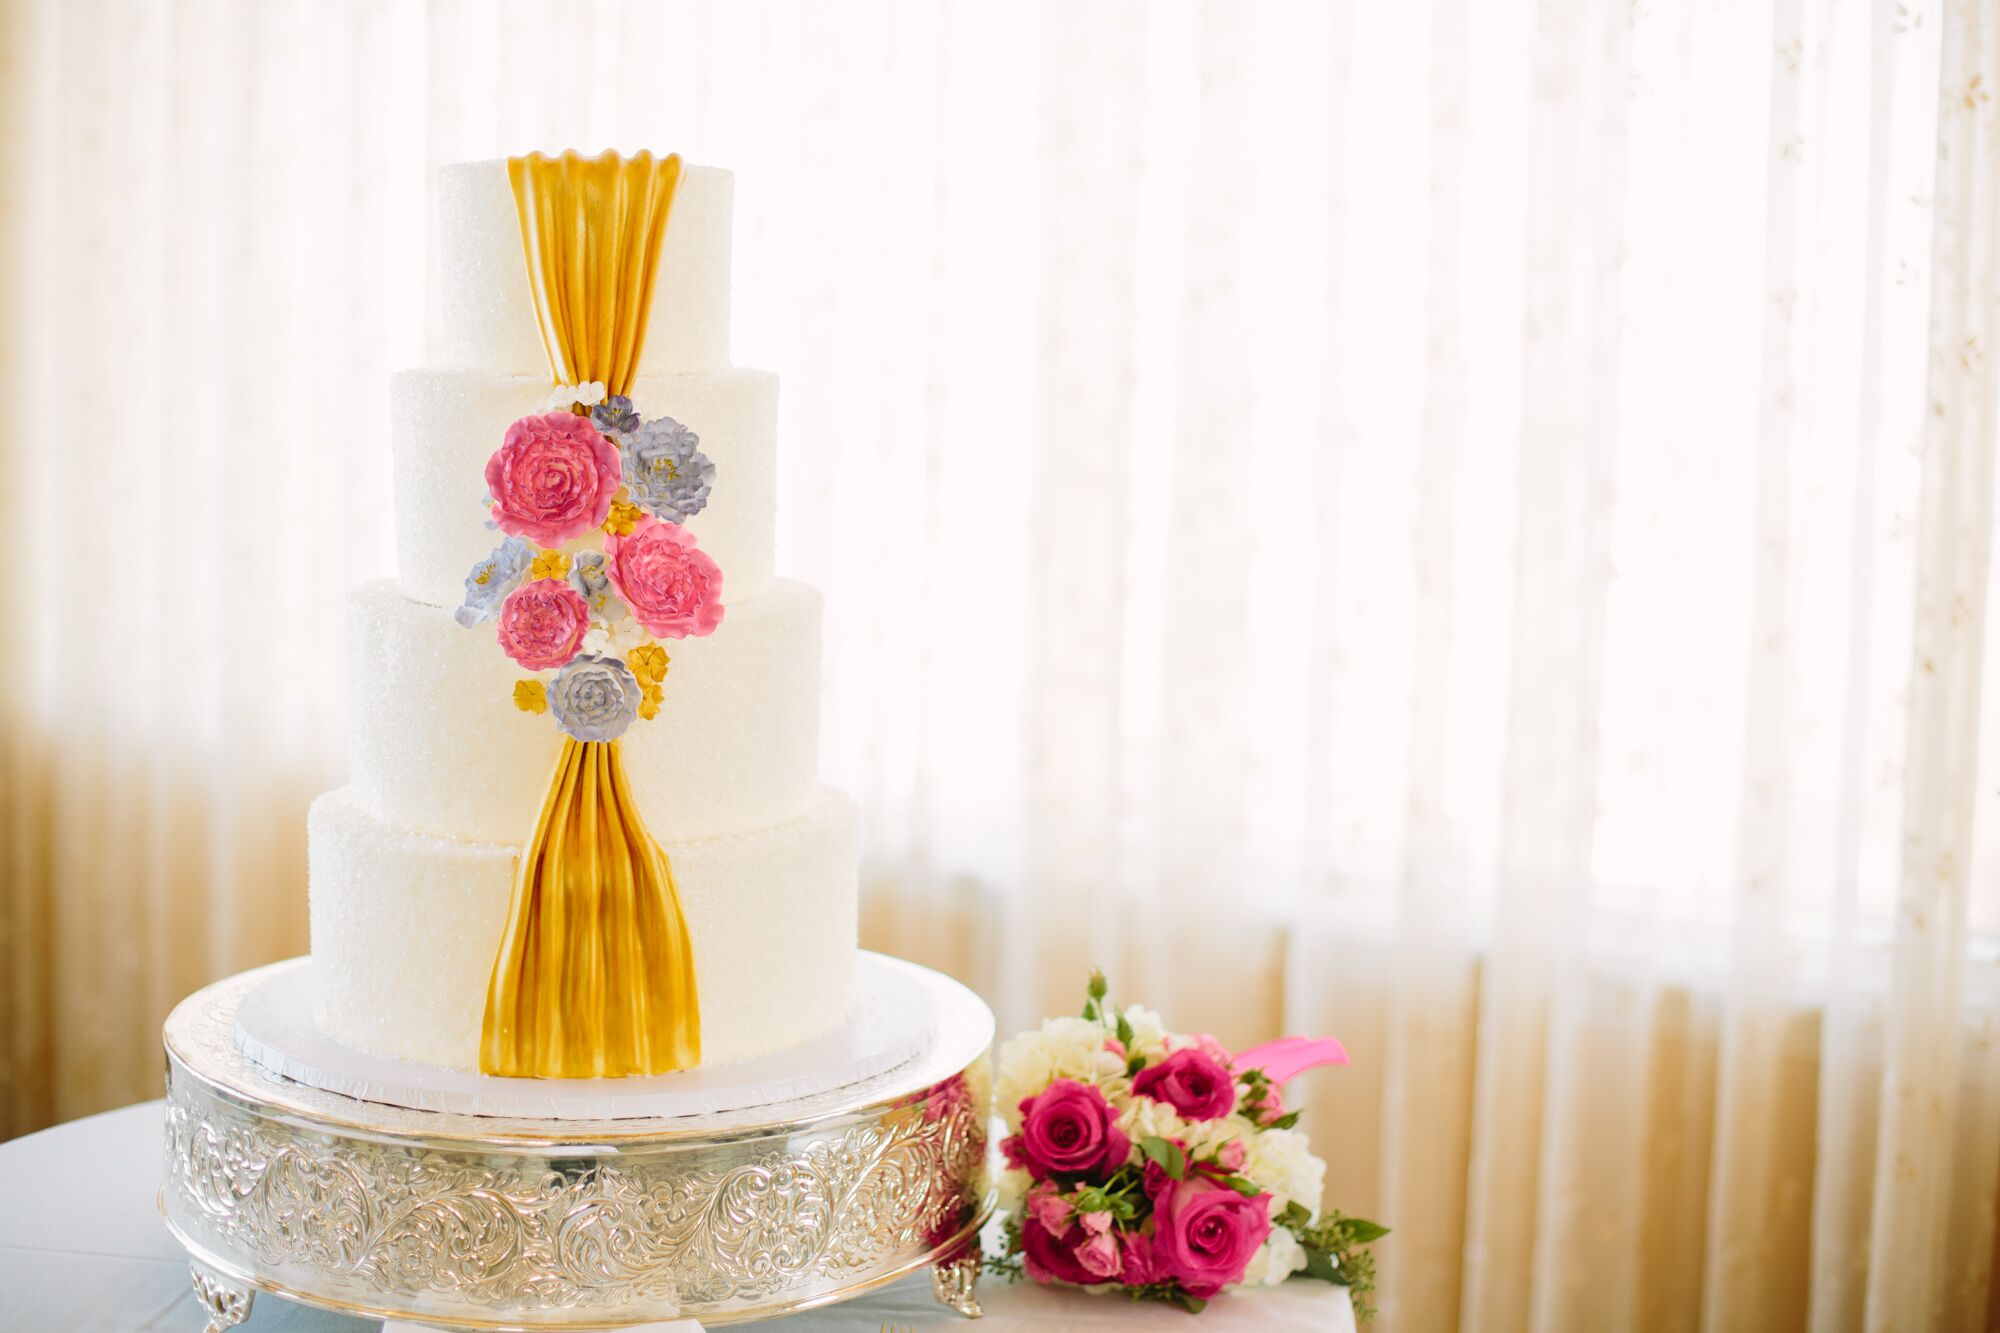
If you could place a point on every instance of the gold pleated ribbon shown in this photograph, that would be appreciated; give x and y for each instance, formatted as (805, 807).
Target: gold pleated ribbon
(595, 975)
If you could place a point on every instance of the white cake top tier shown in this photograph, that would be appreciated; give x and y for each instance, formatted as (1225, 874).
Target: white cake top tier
(488, 317)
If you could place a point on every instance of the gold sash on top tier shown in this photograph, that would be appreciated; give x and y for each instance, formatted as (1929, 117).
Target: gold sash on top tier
(595, 976)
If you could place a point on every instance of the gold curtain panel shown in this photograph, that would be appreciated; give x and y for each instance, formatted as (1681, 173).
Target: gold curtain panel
(592, 227)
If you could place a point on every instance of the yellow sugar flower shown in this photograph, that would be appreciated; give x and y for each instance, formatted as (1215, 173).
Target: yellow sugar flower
(530, 696)
(623, 518)
(549, 565)
(649, 701)
(648, 662)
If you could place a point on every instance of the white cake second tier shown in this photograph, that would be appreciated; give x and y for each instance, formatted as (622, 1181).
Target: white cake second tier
(440, 748)
(405, 929)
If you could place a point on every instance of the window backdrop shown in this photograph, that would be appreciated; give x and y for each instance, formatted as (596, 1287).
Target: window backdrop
(1461, 525)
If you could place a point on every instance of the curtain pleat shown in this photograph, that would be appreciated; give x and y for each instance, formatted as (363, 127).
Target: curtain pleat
(1463, 526)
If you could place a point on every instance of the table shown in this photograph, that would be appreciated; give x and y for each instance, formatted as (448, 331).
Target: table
(82, 1249)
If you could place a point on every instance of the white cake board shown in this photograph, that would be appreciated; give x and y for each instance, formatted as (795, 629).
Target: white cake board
(891, 1024)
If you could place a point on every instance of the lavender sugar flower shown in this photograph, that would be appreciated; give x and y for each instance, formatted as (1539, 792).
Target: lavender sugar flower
(589, 577)
(664, 466)
(614, 416)
(492, 579)
(594, 698)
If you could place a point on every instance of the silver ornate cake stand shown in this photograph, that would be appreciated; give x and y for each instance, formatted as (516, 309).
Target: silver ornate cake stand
(477, 1222)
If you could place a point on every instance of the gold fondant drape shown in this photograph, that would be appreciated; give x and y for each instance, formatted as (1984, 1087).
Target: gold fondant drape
(595, 974)
(592, 227)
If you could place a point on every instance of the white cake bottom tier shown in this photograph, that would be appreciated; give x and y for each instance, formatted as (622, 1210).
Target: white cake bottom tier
(439, 747)
(405, 929)
(445, 424)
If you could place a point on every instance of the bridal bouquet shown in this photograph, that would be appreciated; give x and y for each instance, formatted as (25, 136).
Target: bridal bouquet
(1163, 1165)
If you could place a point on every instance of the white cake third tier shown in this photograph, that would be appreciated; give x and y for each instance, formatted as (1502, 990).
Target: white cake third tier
(412, 863)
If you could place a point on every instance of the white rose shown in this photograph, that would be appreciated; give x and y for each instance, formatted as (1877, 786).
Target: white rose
(1279, 1162)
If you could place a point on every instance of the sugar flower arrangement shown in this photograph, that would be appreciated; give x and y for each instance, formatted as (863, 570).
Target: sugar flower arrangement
(595, 567)
(1162, 1165)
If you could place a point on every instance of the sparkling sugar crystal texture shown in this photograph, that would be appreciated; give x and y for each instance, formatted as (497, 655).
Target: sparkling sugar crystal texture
(405, 928)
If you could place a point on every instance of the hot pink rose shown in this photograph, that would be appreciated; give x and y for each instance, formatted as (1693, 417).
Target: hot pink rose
(1049, 1258)
(1141, 1266)
(542, 623)
(552, 478)
(1191, 1082)
(1205, 1233)
(671, 584)
(1068, 1130)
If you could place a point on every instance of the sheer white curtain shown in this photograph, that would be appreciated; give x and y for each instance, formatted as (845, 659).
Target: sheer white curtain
(1460, 525)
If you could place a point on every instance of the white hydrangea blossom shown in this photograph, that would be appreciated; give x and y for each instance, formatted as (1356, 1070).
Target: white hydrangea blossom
(1070, 1048)
(1146, 1118)
(1010, 1190)
(614, 638)
(1276, 1259)
(563, 395)
(1149, 1034)
(1280, 1162)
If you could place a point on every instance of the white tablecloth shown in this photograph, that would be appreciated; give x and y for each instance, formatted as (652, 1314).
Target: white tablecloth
(82, 1250)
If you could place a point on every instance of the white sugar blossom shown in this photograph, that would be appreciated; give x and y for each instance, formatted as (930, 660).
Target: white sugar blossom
(614, 638)
(1280, 1162)
(1276, 1259)
(563, 396)
(1061, 1048)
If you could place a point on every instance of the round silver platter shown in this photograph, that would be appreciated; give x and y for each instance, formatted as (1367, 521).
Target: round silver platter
(480, 1222)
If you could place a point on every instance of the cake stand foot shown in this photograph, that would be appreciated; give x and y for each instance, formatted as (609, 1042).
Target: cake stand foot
(952, 1281)
(226, 1303)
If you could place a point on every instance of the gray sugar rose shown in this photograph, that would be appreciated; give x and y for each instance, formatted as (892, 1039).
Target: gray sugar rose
(594, 698)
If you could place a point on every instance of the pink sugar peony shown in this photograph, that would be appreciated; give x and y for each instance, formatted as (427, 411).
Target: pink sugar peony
(542, 624)
(671, 584)
(1192, 1082)
(1068, 1130)
(1204, 1234)
(552, 478)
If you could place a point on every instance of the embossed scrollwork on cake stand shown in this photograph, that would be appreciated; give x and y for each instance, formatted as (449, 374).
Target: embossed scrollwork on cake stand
(487, 1222)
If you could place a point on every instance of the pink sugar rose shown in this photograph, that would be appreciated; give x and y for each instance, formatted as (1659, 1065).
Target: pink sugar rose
(542, 624)
(1204, 1234)
(1068, 1130)
(1049, 1259)
(672, 586)
(552, 478)
(1192, 1082)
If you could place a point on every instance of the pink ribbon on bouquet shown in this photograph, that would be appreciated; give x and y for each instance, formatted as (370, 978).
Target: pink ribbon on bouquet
(1288, 1057)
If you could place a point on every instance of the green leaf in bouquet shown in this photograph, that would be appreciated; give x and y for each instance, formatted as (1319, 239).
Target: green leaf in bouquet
(1125, 1031)
(1285, 1121)
(1247, 1189)
(1323, 1266)
(1167, 1155)
(1134, 1065)
(1295, 1216)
